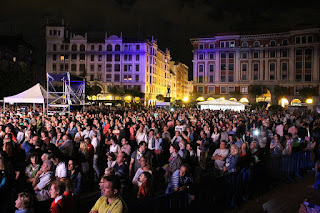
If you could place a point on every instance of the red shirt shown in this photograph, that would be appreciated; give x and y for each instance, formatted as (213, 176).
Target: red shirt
(57, 207)
(144, 191)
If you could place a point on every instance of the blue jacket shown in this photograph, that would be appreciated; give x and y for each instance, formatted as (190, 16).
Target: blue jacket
(231, 162)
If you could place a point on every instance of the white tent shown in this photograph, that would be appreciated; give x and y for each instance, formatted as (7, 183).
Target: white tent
(221, 104)
(34, 95)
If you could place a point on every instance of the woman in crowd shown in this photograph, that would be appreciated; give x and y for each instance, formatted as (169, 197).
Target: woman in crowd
(144, 167)
(232, 160)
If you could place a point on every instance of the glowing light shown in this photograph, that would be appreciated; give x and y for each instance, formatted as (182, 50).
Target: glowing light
(233, 99)
(109, 97)
(295, 102)
(284, 102)
(309, 101)
(222, 98)
(171, 109)
(210, 99)
(62, 58)
(185, 99)
(200, 99)
(244, 100)
(256, 132)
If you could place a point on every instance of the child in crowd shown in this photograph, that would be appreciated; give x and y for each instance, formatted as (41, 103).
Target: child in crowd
(145, 188)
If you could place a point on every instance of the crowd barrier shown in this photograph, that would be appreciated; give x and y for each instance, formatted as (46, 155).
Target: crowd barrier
(228, 191)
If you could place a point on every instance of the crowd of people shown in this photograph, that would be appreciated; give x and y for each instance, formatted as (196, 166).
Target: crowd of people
(48, 162)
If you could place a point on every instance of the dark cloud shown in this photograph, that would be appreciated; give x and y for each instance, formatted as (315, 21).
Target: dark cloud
(172, 22)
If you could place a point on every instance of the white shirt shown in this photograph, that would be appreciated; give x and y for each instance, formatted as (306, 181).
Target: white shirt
(61, 170)
(220, 163)
(95, 144)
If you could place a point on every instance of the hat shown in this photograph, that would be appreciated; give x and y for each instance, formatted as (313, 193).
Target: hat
(175, 146)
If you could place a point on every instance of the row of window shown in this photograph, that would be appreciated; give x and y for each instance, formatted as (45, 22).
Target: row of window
(109, 67)
(229, 44)
(82, 47)
(223, 89)
(116, 78)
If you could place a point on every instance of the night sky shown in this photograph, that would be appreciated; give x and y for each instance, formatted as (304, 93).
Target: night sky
(172, 22)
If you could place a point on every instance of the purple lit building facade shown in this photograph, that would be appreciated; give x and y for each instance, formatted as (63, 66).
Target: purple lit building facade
(111, 62)
(225, 65)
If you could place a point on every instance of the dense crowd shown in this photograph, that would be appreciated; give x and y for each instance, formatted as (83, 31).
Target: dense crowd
(48, 162)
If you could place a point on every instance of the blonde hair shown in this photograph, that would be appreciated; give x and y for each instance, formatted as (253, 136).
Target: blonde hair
(236, 148)
(84, 149)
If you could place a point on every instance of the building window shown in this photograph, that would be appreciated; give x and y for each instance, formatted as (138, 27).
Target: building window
(244, 44)
(109, 47)
(200, 46)
(256, 44)
(244, 55)
(108, 78)
(272, 43)
(244, 76)
(223, 78)
(298, 65)
(109, 68)
(54, 47)
(92, 67)
(230, 78)
(244, 67)
(255, 71)
(74, 57)
(200, 67)
(244, 90)
(231, 67)
(284, 53)
(137, 57)
(54, 67)
(310, 39)
(82, 47)
(82, 67)
(125, 68)
(137, 67)
(211, 46)
(200, 89)
(231, 55)
(211, 56)
(74, 47)
(100, 58)
(284, 71)
(307, 65)
(255, 67)
(73, 67)
(298, 52)
(200, 79)
(137, 78)
(117, 77)
(82, 57)
(99, 68)
(92, 58)
(223, 90)
(223, 55)
(223, 66)
(91, 77)
(54, 57)
(200, 56)
(298, 77)
(307, 77)
(211, 78)
(117, 47)
(117, 67)
(272, 54)
(109, 57)
(285, 42)
(256, 54)
(130, 57)
(92, 47)
(211, 67)
(231, 89)
(272, 69)
(117, 57)
(211, 89)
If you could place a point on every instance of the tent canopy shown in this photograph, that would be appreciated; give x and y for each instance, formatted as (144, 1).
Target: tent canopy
(221, 104)
(35, 94)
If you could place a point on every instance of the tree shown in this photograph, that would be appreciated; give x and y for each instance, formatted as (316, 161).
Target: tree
(194, 96)
(257, 90)
(279, 91)
(160, 97)
(236, 94)
(93, 90)
(307, 92)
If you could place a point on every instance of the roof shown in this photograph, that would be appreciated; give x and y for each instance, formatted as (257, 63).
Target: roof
(220, 102)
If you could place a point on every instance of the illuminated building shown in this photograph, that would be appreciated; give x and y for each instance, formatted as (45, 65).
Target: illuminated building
(111, 62)
(229, 64)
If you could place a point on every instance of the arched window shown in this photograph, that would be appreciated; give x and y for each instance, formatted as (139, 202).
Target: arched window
(117, 48)
(137, 47)
(82, 47)
(74, 47)
(66, 47)
(109, 47)
(100, 47)
(92, 47)
(285, 42)
(272, 43)
(244, 44)
(256, 44)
